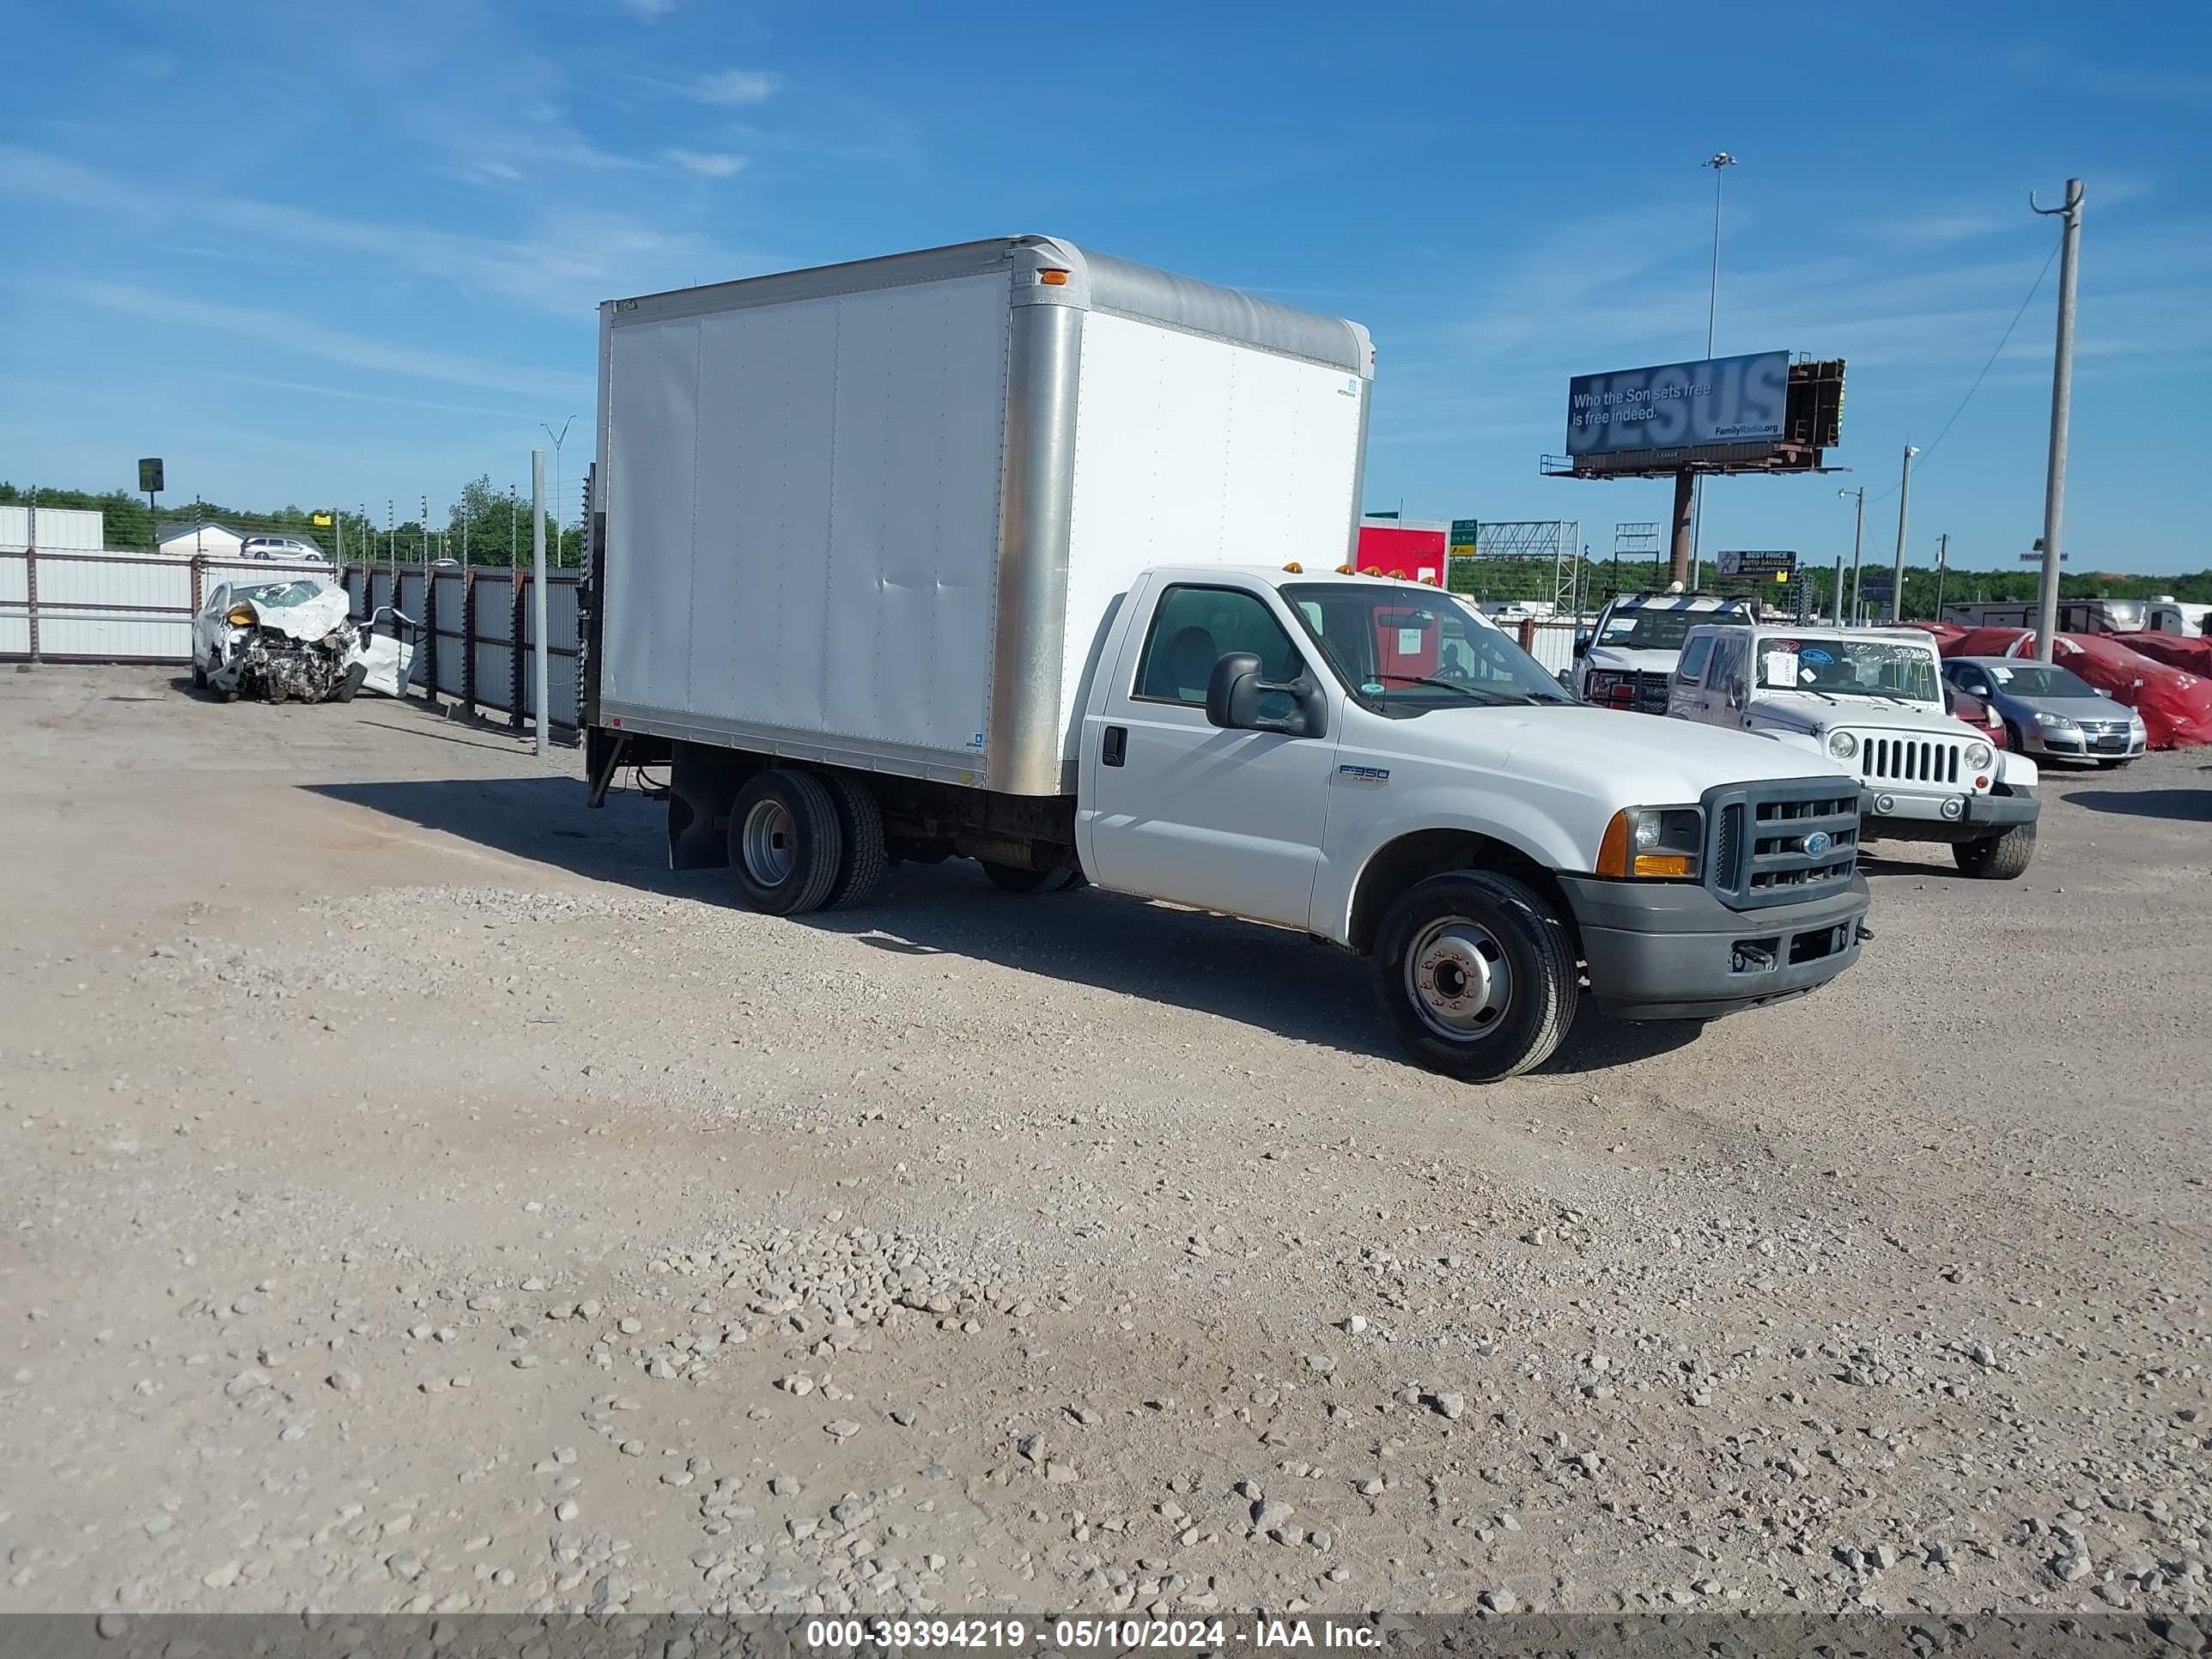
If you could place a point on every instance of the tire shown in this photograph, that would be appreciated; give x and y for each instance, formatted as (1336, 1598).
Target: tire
(350, 683)
(860, 868)
(1996, 858)
(1015, 879)
(199, 674)
(2018, 744)
(1528, 988)
(786, 844)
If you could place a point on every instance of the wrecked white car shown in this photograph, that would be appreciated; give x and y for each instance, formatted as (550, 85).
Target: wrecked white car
(292, 642)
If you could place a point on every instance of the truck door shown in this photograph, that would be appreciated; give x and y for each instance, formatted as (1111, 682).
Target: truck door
(1174, 808)
(1727, 690)
(1687, 691)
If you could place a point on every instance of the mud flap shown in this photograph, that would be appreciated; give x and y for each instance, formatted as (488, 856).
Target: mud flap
(701, 784)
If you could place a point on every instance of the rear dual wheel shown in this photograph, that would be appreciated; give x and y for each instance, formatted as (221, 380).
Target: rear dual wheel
(802, 841)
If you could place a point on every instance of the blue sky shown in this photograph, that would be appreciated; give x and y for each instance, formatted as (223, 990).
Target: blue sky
(324, 254)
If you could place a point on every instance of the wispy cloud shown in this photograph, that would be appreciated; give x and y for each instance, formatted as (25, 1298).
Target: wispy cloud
(651, 11)
(565, 267)
(708, 164)
(734, 86)
(307, 339)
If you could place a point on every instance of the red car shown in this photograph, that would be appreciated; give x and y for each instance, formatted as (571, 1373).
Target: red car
(1967, 707)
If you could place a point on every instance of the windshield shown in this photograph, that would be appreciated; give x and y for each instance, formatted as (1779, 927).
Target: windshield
(297, 592)
(1398, 647)
(1850, 668)
(2034, 680)
(1645, 629)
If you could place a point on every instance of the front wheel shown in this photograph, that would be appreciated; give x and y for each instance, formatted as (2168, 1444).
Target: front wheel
(786, 844)
(1019, 878)
(1476, 975)
(199, 674)
(1996, 858)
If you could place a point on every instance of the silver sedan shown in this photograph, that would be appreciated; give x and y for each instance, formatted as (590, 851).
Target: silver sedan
(2051, 711)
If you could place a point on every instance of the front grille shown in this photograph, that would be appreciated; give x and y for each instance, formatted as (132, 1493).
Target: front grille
(1912, 760)
(1757, 836)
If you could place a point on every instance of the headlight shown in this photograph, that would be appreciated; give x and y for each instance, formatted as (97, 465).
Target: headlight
(1978, 756)
(1842, 744)
(2059, 722)
(241, 616)
(1656, 843)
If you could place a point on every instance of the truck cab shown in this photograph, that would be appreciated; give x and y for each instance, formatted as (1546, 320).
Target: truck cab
(1629, 657)
(1870, 700)
(1377, 764)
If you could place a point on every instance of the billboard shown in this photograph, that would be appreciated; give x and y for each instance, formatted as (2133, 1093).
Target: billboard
(1765, 565)
(1719, 400)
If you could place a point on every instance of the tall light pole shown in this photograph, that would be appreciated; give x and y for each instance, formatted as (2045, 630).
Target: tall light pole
(558, 437)
(1858, 540)
(1903, 502)
(1720, 162)
(2062, 405)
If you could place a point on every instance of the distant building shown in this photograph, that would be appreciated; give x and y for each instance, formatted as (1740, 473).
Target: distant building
(206, 536)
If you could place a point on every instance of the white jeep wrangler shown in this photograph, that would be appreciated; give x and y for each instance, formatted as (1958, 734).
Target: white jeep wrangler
(1870, 700)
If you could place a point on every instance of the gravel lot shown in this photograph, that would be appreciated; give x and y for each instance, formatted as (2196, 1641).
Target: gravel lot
(418, 1198)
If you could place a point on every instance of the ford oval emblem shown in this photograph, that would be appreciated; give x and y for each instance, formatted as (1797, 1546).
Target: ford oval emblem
(1817, 843)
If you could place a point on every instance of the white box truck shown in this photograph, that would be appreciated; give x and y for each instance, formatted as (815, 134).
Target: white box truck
(1017, 552)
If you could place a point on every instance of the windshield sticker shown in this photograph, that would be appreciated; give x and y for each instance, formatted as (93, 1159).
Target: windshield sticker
(1409, 642)
(2004, 675)
(1781, 667)
(1813, 654)
(1372, 688)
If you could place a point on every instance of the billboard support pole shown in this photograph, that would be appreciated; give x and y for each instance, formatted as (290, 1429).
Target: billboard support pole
(1678, 551)
(2061, 404)
(1836, 593)
(1904, 502)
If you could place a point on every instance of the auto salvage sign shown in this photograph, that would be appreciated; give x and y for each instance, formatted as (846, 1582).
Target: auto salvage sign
(1719, 400)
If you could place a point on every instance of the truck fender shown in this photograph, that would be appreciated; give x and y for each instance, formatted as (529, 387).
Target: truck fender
(1528, 841)
(2016, 771)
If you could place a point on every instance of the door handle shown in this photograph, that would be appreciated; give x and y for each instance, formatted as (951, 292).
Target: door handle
(1116, 747)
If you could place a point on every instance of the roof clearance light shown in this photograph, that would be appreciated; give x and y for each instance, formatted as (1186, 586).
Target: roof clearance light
(1295, 568)
(1052, 277)
(1345, 570)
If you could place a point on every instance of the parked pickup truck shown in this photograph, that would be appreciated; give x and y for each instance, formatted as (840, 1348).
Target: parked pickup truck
(1629, 657)
(1871, 699)
(1015, 552)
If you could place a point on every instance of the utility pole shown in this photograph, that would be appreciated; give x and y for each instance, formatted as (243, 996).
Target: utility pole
(537, 589)
(513, 530)
(425, 530)
(1719, 162)
(1858, 540)
(1904, 502)
(558, 437)
(2062, 403)
(1942, 560)
(1836, 592)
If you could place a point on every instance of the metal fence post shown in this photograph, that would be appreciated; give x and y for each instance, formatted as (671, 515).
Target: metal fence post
(514, 686)
(469, 642)
(199, 583)
(31, 592)
(430, 633)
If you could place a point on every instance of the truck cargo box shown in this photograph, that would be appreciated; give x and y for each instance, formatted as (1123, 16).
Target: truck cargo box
(878, 515)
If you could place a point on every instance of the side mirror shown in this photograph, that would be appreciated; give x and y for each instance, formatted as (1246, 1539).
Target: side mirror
(1950, 698)
(1234, 690)
(1582, 647)
(1735, 693)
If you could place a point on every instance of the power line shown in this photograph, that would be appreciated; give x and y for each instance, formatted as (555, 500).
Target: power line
(1931, 449)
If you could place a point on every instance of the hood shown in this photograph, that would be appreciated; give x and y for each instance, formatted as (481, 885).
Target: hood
(309, 620)
(2070, 709)
(1636, 759)
(1814, 714)
(1617, 659)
